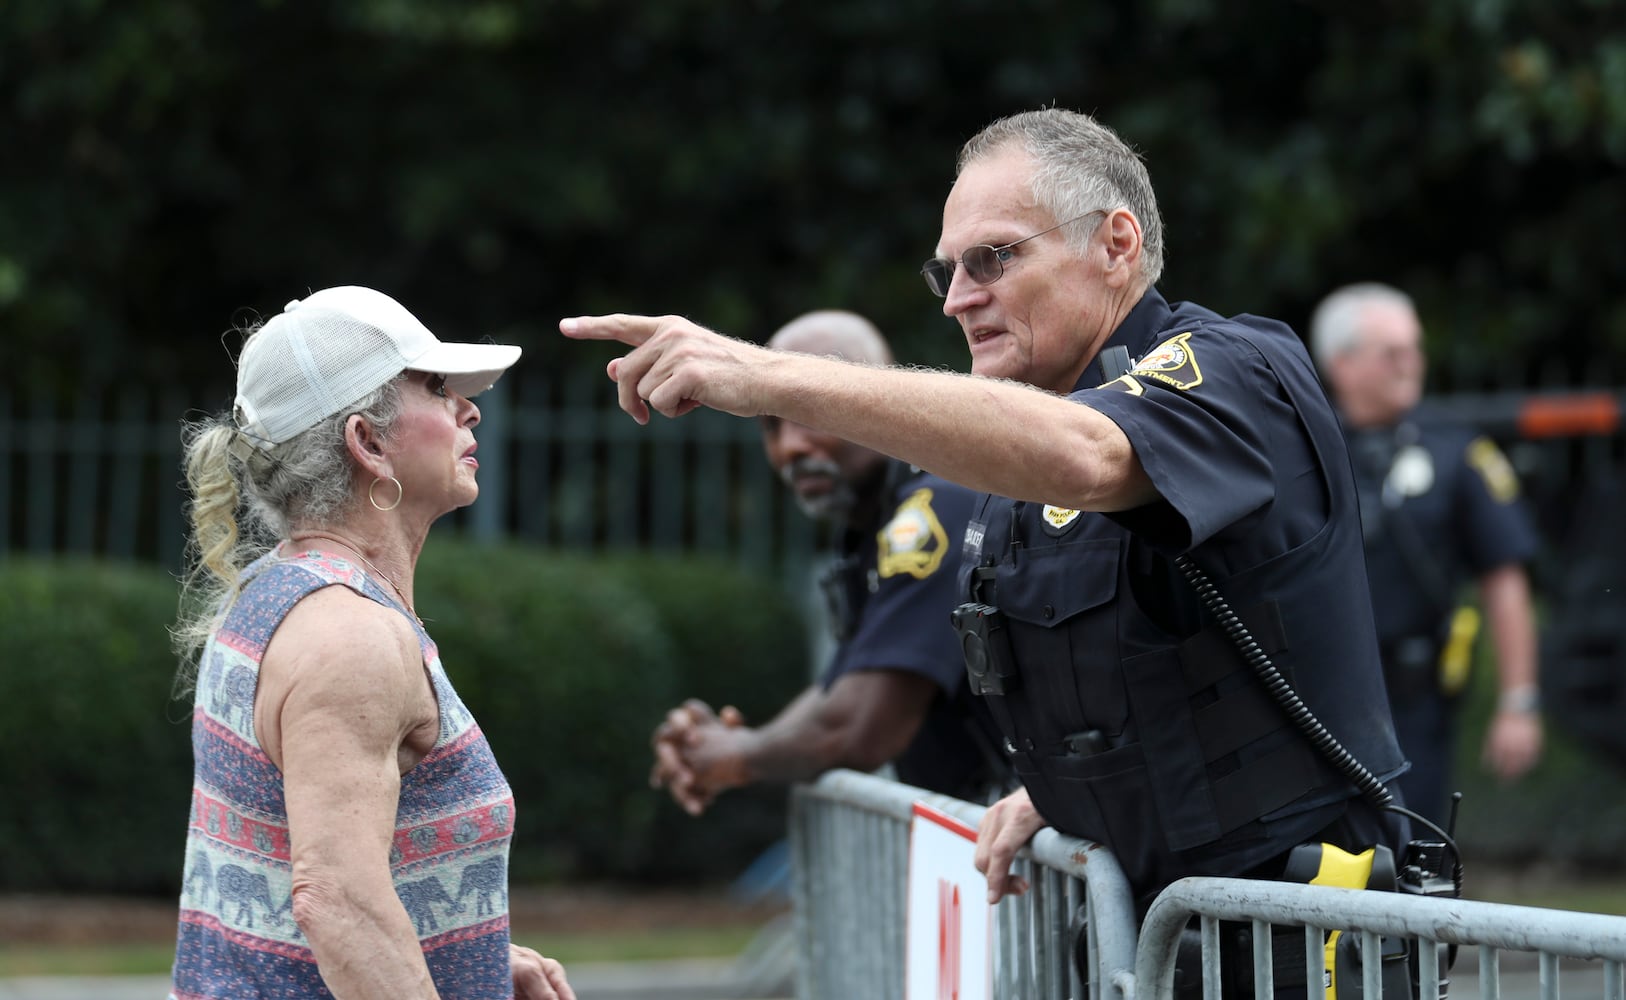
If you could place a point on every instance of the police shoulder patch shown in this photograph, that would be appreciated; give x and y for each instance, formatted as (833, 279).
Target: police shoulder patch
(1172, 363)
(1494, 468)
(913, 542)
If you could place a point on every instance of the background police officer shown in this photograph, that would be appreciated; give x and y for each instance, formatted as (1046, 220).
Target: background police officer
(1132, 720)
(1439, 505)
(894, 689)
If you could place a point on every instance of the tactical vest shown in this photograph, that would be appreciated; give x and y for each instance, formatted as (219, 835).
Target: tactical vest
(1135, 722)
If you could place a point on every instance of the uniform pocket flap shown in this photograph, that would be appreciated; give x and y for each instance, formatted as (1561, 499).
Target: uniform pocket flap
(1054, 583)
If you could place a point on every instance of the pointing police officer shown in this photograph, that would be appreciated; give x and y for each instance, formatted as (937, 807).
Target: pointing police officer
(1132, 719)
(1439, 505)
(894, 689)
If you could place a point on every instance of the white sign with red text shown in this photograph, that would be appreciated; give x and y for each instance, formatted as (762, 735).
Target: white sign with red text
(950, 924)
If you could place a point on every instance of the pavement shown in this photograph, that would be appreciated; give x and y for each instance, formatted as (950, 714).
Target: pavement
(686, 979)
(765, 972)
(1519, 976)
(727, 979)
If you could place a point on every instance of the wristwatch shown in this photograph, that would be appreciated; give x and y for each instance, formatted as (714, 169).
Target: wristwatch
(1523, 700)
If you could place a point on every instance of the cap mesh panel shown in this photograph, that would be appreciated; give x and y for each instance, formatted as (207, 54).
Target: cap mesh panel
(294, 388)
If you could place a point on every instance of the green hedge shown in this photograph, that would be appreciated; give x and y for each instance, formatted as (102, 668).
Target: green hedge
(568, 662)
(94, 790)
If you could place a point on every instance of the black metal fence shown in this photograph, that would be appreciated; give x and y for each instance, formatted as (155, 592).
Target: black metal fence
(101, 476)
(561, 466)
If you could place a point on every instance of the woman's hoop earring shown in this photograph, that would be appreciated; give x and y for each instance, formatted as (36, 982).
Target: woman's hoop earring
(399, 493)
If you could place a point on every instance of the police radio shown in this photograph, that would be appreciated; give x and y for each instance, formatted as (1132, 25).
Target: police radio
(1434, 868)
(1114, 363)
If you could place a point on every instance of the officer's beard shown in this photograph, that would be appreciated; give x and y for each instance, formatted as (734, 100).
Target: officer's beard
(832, 505)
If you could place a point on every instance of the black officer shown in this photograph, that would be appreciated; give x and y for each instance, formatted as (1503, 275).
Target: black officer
(1135, 719)
(894, 688)
(1439, 506)
(888, 592)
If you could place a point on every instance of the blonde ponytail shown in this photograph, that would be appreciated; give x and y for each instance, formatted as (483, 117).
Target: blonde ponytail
(218, 548)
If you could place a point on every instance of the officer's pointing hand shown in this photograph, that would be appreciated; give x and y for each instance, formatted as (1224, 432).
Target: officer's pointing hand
(1006, 827)
(674, 365)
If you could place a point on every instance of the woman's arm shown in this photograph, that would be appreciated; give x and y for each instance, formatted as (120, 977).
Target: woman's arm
(343, 700)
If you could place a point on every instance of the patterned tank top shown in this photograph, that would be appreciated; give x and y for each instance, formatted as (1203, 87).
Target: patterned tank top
(237, 937)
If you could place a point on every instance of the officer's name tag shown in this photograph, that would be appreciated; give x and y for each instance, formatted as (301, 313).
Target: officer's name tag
(972, 545)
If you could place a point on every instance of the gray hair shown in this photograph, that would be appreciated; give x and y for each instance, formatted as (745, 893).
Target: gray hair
(307, 479)
(1336, 323)
(244, 501)
(1079, 165)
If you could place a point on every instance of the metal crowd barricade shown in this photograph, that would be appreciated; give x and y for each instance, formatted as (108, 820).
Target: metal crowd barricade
(849, 835)
(1431, 923)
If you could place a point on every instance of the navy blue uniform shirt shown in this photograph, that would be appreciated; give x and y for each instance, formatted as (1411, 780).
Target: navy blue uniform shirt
(898, 577)
(1132, 720)
(1439, 506)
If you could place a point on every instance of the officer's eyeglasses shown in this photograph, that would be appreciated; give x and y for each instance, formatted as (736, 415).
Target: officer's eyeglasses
(984, 263)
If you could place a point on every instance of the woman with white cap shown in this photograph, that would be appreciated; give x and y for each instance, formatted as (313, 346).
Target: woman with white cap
(349, 827)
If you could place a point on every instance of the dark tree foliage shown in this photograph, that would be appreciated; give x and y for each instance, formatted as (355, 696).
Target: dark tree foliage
(172, 167)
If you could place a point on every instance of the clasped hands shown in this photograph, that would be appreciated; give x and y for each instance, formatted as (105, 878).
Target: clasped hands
(698, 754)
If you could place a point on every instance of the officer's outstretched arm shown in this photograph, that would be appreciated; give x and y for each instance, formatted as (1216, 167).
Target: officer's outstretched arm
(989, 434)
(1006, 828)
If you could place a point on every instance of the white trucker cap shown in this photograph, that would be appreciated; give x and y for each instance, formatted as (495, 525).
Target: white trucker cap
(328, 350)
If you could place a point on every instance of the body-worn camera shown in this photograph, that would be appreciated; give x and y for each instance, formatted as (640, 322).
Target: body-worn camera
(986, 646)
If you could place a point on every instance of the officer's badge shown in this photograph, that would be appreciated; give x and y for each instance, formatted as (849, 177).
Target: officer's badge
(1494, 468)
(1057, 519)
(1172, 362)
(914, 541)
(1412, 473)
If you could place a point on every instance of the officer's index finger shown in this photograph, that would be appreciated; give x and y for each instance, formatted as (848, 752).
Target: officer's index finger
(627, 328)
